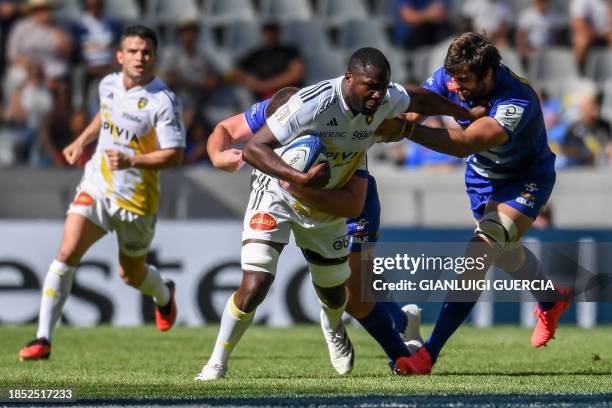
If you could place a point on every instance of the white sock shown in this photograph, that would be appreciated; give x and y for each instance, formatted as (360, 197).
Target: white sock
(153, 285)
(333, 317)
(56, 289)
(234, 323)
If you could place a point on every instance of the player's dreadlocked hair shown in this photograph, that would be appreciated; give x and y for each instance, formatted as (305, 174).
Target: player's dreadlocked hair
(474, 52)
(141, 31)
(280, 98)
(368, 57)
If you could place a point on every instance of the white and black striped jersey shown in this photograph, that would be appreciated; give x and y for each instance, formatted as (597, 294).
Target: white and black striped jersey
(320, 110)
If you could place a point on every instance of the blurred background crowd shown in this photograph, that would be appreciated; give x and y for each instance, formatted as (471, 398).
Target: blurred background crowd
(221, 55)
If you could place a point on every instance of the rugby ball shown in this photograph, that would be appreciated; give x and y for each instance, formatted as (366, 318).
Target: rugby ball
(304, 152)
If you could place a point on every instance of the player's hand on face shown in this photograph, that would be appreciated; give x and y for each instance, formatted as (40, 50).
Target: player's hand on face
(318, 176)
(230, 160)
(72, 153)
(117, 160)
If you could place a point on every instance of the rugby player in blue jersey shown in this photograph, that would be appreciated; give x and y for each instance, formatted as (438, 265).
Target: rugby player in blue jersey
(362, 209)
(509, 178)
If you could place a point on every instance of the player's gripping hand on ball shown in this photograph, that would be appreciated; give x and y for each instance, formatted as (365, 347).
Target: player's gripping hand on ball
(316, 177)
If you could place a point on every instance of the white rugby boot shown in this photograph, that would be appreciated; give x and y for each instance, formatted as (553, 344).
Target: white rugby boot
(412, 334)
(341, 352)
(212, 371)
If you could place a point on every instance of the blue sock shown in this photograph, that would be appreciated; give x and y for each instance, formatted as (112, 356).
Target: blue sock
(380, 326)
(531, 270)
(397, 315)
(450, 318)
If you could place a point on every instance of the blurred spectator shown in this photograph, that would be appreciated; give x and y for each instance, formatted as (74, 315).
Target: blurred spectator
(270, 67)
(195, 147)
(414, 155)
(554, 121)
(37, 38)
(537, 28)
(31, 100)
(491, 16)
(421, 22)
(9, 13)
(588, 140)
(98, 37)
(187, 70)
(591, 26)
(58, 129)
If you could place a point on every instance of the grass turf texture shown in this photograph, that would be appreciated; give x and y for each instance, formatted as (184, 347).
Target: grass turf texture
(110, 362)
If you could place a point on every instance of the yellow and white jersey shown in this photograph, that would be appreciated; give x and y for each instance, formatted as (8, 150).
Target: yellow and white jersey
(136, 121)
(321, 110)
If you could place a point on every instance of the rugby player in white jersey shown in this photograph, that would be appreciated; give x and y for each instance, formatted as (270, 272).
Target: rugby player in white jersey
(344, 112)
(139, 131)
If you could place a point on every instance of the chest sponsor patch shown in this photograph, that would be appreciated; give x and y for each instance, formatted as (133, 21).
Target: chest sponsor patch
(509, 116)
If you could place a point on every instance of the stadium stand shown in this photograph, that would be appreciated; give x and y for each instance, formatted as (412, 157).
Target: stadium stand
(325, 32)
(286, 10)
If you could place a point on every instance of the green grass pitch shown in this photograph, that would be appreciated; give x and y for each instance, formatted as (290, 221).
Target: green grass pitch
(110, 362)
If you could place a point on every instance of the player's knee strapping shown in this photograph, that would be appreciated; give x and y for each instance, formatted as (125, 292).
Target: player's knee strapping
(499, 229)
(329, 276)
(258, 257)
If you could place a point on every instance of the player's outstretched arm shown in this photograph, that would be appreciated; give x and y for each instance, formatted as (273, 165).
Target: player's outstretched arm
(227, 133)
(479, 136)
(159, 159)
(73, 151)
(259, 153)
(428, 103)
(347, 201)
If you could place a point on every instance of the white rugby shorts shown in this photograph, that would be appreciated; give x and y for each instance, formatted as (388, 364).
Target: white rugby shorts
(134, 232)
(270, 216)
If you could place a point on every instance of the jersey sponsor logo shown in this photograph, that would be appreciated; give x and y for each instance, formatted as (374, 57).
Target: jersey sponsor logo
(121, 133)
(531, 187)
(253, 111)
(133, 118)
(361, 224)
(362, 134)
(341, 156)
(285, 112)
(341, 242)
(527, 203)
(83, 199)
(142, 102)
(509, 115)
(332, 135)
(262, 222)
(327, 105)
(451, 86)
(332, 122)
(110, 95)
